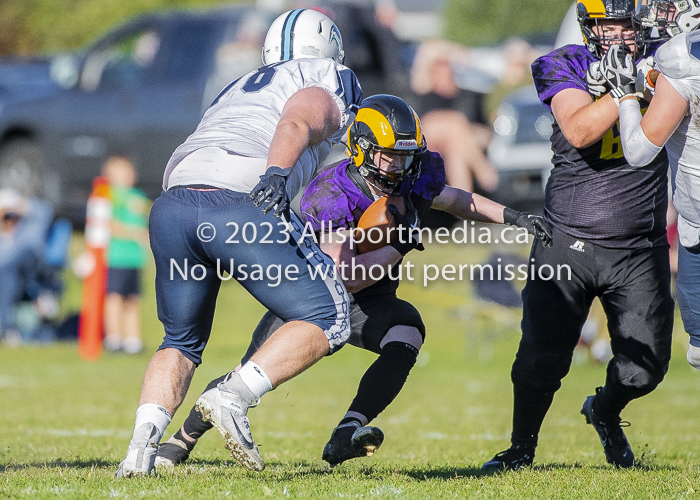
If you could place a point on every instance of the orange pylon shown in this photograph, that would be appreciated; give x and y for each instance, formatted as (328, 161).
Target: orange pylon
(97, 233)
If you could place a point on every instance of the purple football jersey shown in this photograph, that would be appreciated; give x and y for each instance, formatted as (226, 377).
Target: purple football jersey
(593, 193)
(333, 198)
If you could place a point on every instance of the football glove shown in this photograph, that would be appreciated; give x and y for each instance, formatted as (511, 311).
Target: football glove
(409, 237)
(535, 225)
(643, 82)
(595, 82)
(620, 72)
(271, 191)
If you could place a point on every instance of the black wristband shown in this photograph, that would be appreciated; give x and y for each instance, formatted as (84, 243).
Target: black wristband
(510, 216)
(275, 170)
(402, 248)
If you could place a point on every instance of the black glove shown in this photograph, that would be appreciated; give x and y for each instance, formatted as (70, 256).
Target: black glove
(619, 71)
(411, 239)
(535, 225)
(272, 190)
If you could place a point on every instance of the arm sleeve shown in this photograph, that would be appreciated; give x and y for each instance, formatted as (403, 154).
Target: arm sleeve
(637, 148)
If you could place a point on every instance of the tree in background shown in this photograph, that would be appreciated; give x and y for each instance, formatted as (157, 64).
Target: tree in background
(39, 26)
(485, 22)
(42, 26)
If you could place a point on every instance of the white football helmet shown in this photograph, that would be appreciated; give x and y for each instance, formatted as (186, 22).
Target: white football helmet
(664, 19)
(302, 33)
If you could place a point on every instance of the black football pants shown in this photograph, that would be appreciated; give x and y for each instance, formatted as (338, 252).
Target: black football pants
(634, 288)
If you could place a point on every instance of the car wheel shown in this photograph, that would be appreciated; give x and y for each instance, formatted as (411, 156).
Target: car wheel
(22, 167)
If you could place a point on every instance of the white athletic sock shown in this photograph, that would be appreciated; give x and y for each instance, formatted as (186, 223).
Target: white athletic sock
(154, 414)
(255, 378)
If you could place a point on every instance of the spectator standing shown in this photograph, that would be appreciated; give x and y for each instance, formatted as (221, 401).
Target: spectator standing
(126, 257)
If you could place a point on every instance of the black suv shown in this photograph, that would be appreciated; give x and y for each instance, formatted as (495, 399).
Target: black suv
(142, 89)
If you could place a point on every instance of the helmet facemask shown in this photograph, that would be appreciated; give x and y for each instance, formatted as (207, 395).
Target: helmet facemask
(593, 24)
(399, 181)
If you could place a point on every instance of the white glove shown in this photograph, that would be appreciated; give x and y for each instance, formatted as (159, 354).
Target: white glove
(643, 83)
(620, 72)
(596, 83)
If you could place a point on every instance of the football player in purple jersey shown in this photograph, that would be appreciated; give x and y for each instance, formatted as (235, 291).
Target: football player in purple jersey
(609, 223)
(389, 156)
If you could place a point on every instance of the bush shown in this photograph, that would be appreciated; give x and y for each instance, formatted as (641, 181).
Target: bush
(485, 22)
(39, 26)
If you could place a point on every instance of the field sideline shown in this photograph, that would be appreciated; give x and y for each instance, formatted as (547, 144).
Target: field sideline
(65, 424)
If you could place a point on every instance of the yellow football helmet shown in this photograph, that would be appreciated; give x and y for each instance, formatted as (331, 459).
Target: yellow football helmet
(387, 124)
(590, 12)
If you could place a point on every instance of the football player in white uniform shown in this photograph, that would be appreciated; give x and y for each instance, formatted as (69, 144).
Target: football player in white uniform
(262, 138)
(673, 121)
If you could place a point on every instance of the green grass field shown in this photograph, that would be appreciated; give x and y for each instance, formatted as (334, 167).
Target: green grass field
(65, 423)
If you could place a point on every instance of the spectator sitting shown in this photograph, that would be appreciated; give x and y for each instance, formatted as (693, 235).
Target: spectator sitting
(24, 225)
(452, 118)
(126, 257)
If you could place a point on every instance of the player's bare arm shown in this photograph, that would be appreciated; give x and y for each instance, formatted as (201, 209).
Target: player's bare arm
(308, 118)
(469, 206)
(477, 208)
(643, 137)
(583, 120)
(666, 111)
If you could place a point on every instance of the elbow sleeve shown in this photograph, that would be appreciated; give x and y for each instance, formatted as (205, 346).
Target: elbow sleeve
(638, 149)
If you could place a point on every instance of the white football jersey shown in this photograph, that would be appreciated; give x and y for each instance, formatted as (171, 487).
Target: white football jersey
(683, 147)
(243, 118)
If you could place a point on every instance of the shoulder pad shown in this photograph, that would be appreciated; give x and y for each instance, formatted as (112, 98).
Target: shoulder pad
(680, 56)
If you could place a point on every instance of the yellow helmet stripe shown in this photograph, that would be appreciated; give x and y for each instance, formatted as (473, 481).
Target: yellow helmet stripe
(595, 8)
(383, 131)
(419, 133)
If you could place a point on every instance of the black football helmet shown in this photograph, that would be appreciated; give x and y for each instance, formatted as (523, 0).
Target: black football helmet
(591, 12)
(386, 124)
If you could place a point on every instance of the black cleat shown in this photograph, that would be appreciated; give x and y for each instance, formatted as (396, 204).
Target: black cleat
(617, 449)
(173, 452)
(350, 441)
(514, 458)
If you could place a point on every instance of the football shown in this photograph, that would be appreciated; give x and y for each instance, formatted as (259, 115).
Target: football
(372, 231)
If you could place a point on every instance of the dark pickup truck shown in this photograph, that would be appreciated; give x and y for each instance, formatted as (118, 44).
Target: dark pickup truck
(142, 89)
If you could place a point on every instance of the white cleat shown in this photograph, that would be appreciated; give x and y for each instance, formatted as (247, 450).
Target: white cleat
(141, 455)
(693, 356)
(228, 415)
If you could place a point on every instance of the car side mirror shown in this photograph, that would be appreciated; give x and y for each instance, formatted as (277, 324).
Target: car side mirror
(65, 70)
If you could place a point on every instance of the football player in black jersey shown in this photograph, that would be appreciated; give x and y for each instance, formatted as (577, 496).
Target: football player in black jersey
(609, 224)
